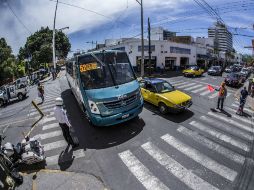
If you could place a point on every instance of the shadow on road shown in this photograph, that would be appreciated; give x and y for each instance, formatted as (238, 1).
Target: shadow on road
(221, 111)
(177, 118)
(98, 137)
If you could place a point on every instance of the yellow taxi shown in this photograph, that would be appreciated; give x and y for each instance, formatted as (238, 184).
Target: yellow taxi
(162, 94)
(193, 71)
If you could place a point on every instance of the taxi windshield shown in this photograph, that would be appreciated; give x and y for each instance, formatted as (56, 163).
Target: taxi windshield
(163, 87)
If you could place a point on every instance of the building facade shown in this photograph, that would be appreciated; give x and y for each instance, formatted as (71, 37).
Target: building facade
(164, 54)
(223, 40)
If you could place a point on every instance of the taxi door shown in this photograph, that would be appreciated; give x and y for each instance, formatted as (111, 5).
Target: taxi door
(151, 94)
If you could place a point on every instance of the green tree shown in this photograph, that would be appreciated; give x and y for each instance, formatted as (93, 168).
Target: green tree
(248, 59)
(38, 47)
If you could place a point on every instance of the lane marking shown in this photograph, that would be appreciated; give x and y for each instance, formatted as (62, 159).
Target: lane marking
(214, 95)
(47, 119)
(200, 158)
(37, 113)
(48, 135)
(186, 85)
(212, 145)
(245, 109)
(181, 83)
(55, 145)
(50, 126)
(220, 136)
(193, 87)
(228, 94)
(142, 173)
(235, 131)
(205, 93)
(249, 121)
(199, 90)
(230, 121)
(56, 159)
(179, 171)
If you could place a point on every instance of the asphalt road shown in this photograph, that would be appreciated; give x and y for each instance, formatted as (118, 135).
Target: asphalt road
(198, 149)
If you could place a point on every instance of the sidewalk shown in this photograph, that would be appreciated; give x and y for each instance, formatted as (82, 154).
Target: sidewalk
(56, 179)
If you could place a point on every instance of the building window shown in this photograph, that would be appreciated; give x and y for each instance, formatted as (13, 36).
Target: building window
(146, 48)
(180, 50)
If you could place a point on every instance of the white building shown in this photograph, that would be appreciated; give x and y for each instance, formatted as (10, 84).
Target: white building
(164, 53)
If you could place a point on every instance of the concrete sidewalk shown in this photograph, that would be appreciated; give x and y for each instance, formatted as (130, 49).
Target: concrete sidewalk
(56, 179)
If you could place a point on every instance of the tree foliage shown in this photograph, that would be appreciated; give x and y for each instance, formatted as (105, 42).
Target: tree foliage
(10, 67)
(38, 47)
(248, 59)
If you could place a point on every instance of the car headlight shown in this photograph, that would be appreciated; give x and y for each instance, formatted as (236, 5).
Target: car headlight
(93, 107)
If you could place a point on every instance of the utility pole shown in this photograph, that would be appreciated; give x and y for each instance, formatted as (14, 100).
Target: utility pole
(140, 2)
(149, 44)
(53, 40)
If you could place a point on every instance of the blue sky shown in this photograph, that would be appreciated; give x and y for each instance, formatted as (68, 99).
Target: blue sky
(121, 18)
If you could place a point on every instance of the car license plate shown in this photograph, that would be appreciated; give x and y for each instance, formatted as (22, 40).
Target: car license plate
(125, 116)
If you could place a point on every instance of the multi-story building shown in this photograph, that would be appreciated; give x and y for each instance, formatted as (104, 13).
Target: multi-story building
(205, 51)
(159, 33)
(166, 54)
(223, 40)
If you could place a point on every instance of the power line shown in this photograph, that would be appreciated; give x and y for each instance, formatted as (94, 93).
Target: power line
(20, 21)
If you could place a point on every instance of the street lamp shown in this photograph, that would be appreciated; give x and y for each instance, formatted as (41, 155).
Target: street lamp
(140, 2)
(53, 40)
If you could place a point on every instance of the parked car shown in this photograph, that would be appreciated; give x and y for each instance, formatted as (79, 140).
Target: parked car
(234, 80)
(245, 71)
(10, 92)
(193, 71)
(228, 69)
(237, 67)
(215, 70)
(162, 94)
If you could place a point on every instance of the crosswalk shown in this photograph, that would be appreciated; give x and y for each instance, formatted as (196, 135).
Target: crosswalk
(50, 133)
(214, 143)
(195, 88)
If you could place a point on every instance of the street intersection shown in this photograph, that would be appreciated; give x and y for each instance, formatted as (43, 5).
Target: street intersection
(201, 148)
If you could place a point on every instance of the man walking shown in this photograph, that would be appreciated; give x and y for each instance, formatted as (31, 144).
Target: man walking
(61, 117)
(243, 97)
(41, 92)
(222, 95)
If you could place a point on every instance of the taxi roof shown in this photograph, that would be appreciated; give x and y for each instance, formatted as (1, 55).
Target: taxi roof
(153, 80)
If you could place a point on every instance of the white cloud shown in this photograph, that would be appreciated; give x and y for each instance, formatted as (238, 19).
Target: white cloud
(35, 14)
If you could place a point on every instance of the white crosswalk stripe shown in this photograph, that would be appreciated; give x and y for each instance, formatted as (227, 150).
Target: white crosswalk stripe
(176, 82)
(182, 83)
(50, 126)
(193, 87)
(186, 85)
(55, 145)
(47, 119)
(199, 90)
(245, 109)
(48, 135)
(53, 160)
(249, 121)
(201, 158)
(230, 129)
(212, 145)
(35, 112)
(230, 121)
(220, 135)
(214, 95)
(183, 174)
(205, 93)
(44, 107)
(143, 174)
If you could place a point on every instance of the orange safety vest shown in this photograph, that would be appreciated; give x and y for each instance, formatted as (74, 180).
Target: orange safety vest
(221, 91)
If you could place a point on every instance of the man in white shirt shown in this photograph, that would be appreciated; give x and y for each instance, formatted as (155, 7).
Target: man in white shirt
(61, 117)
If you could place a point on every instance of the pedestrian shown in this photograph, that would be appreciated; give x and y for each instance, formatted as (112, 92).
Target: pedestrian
(61, 117)
(222, 95)
(41, 91)
(243, 98)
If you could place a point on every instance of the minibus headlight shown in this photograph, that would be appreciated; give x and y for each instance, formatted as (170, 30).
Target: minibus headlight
(93, 107)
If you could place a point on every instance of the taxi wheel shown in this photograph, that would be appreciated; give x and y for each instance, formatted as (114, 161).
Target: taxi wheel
(163, 108)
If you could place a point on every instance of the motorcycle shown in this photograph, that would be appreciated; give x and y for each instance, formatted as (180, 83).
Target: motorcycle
(9, 168)
(28, 151)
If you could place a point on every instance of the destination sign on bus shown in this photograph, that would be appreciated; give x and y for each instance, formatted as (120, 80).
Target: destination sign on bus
(88, 67)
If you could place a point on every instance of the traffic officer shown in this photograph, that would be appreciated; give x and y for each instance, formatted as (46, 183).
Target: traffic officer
(222, 95)
(61, 117)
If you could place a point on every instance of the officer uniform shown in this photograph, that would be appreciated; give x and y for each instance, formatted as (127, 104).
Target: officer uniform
(61, 117)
